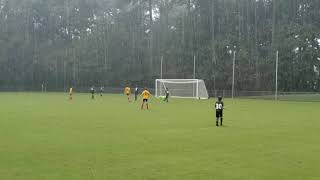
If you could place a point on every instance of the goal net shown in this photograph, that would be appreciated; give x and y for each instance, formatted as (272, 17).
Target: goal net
(182, 88)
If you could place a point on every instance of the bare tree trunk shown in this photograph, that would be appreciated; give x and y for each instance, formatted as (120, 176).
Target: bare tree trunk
(67, 48)
(213, 60)
(256, 45)
(74, 69)
(248, 6)
(239, 21)
(105, 46)
(183, 31)
(274, 28)
(151, 36)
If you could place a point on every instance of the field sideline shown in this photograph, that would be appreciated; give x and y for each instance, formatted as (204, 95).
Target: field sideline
(47, 137)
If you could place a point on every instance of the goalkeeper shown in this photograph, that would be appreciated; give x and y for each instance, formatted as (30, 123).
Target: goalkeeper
(166, 99)
(92, 91)
(136, 93)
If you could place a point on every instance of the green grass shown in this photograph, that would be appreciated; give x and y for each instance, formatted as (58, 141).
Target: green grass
(298, 97)
(44, 136)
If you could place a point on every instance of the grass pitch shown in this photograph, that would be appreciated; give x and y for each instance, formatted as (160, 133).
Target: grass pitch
(47, 137)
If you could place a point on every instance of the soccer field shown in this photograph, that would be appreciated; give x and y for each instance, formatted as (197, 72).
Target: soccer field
(47, 137)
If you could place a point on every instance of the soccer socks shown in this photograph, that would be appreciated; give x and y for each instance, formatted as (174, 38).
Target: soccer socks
(217, 121)
(142, 106)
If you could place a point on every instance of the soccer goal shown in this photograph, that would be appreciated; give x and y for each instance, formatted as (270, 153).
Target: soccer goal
(182, 88)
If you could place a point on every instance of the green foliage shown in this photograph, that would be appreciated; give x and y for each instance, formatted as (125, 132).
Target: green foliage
(113, 42)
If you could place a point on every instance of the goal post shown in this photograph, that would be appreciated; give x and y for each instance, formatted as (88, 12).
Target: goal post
(182, 88)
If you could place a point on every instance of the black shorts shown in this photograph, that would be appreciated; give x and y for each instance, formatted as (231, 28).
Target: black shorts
(219, 114)
(145, 100)
(128, 94)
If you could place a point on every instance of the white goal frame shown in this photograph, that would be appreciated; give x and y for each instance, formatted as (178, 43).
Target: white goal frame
(196, 82)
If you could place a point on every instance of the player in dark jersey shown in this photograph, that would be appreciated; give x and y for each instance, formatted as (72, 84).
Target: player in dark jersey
(101, 90)
(166, 99)
(136, 93)
(219, 111)
(92, 90)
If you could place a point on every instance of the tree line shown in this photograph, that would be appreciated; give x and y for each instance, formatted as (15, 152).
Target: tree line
(121, 42)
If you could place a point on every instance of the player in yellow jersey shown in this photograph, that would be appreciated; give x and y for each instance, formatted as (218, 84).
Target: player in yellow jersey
(145, 98)
(70, 93)
(127, 91)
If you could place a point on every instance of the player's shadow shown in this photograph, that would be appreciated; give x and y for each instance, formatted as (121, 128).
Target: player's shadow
(224, 126)
(210, 126)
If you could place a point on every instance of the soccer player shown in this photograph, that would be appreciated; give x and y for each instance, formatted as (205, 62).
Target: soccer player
(92, 90)
(101, 90)
(70, 93)
(219, 111)
(127, 91)
(167, 95)
(136, 93)
(42, 87)
(145, 97)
